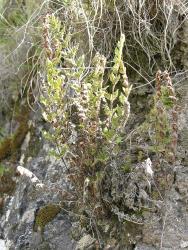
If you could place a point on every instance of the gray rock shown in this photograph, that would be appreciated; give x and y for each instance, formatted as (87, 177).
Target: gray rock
(184, 244)
(2, 245)
(18, 221)
(144, 247)
(85, 242)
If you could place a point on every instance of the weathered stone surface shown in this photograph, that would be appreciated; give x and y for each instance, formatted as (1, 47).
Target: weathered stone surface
(2, 245)
(184, 244)
(19, 212)
(85, 242)
(144, 247)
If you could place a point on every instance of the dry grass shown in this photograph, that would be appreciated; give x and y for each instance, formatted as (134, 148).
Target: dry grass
(151, 29)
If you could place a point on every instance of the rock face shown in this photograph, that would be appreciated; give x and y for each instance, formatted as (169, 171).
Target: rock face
(2, 245)
(20, 209)
(85, 242)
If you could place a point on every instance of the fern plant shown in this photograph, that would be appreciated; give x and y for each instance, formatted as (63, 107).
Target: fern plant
(162, 120)
(87, 113)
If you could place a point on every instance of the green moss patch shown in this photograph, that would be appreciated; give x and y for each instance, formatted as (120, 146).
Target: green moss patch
(45, 215)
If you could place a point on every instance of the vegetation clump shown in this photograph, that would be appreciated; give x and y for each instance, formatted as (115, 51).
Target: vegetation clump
(88, 109)
(44, 215)
(88, 114)
(162, 120)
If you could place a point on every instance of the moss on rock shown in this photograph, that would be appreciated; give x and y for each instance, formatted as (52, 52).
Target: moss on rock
(11, 144)
(45, 215)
